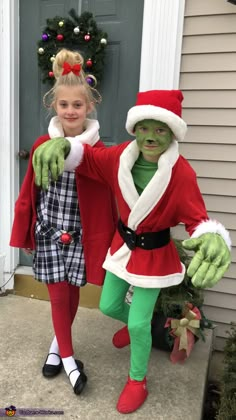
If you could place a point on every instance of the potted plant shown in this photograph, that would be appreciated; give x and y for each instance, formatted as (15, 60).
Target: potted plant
(178, 320)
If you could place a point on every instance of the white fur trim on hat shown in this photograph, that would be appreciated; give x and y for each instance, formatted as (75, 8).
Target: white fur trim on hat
(214, 227)
(151, 112)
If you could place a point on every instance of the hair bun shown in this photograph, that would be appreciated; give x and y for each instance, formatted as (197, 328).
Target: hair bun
(64, 55)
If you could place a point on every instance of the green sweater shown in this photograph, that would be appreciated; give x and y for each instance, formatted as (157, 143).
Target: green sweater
(142, 173)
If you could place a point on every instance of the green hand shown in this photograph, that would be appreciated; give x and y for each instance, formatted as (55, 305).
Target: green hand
(50, 157)
(211, 260)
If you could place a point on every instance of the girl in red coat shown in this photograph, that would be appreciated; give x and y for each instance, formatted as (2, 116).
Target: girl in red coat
(60, 224)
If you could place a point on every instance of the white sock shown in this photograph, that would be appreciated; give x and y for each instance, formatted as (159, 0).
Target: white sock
(69, 365)
(53, 359)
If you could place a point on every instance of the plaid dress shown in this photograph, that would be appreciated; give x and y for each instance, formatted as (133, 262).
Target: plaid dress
(57, 211)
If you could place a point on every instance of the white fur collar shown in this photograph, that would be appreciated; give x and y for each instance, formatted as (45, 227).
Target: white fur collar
(142, 205)
(89, 136)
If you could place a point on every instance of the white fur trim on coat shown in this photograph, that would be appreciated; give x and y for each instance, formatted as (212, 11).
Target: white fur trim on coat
(151, 112)
(75, 156)
(212, 226)
(142, 205)
(89, 136)
(117, 262)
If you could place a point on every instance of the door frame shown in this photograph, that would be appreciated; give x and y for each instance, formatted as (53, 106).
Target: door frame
(162, 19)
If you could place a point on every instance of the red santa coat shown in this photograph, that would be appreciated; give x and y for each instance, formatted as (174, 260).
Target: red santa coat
(98, 217)
(171, 197)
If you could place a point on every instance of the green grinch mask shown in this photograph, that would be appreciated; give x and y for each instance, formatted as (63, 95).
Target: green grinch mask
(153, 138)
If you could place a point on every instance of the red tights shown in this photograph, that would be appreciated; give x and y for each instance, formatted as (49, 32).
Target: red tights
(64, 299)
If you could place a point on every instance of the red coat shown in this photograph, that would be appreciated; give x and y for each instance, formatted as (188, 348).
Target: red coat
(97, 211)
(171, 197)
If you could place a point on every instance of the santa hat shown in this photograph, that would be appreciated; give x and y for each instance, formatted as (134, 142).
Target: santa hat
(159, 105)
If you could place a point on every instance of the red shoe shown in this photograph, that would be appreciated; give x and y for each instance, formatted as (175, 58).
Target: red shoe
(121, 338)
(133, 396)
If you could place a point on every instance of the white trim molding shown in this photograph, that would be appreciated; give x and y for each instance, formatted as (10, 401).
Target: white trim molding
(9, 123)
(161, 44)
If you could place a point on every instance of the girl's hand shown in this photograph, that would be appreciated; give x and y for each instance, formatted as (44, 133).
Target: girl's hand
(27, 251)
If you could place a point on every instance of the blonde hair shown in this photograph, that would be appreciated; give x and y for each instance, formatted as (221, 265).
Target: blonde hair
(69, 79)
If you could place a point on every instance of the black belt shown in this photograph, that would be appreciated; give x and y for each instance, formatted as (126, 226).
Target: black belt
(149, 240)
(58, 235)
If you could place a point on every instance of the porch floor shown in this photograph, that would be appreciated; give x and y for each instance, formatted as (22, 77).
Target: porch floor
(176, 392)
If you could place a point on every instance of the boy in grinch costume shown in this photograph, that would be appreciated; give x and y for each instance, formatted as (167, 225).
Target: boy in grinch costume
(155, 189)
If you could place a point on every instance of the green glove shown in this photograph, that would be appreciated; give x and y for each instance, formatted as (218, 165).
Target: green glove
(50, 157)
(211, 260)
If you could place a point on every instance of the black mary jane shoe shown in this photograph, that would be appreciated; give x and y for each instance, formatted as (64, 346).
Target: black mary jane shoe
(50, 371)
(80, 383)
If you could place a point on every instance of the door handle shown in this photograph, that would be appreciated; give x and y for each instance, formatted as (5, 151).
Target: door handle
(23, 154)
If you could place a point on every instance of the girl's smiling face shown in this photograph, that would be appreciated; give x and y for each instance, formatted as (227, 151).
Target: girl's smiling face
(153, 138)
(72, 106)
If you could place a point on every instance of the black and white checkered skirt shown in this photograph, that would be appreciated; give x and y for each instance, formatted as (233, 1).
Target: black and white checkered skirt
(57, 211)
(54, 262)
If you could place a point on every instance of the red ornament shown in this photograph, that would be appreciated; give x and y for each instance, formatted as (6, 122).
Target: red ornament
(89, 63)
(60, 37)
(51, 74)
(66, 238)
(87, 37)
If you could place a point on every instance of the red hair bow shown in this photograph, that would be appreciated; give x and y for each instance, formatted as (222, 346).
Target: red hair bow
(67, 68)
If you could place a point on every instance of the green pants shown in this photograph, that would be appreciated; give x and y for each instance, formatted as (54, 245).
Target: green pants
(137, 316)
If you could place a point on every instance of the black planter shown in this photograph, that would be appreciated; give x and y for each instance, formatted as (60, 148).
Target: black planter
(161, 338)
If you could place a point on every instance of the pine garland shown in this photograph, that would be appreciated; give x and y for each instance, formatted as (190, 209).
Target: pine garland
(79, 33)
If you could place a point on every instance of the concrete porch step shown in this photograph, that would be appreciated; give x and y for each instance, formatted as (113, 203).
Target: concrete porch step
(176, 392)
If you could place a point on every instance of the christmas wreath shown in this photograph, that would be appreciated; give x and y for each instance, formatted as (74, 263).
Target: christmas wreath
(79, 33)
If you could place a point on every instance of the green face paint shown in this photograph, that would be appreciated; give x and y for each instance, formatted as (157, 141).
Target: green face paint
(153, 138)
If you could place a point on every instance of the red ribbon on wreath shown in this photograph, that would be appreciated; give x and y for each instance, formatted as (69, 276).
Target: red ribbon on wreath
(184, 330)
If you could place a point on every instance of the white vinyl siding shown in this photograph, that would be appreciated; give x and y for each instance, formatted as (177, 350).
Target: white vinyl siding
(208, 82)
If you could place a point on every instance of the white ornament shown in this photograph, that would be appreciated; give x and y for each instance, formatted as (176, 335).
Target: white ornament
(103, 41)
(76, 30)
(41, 51)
